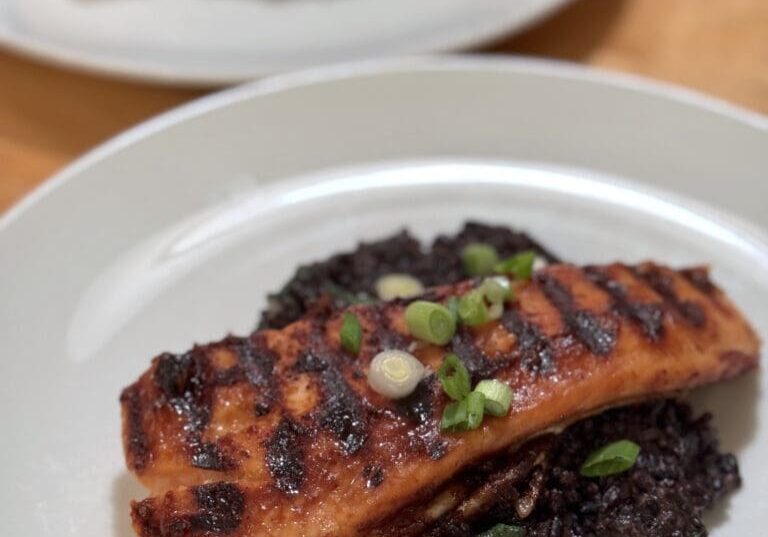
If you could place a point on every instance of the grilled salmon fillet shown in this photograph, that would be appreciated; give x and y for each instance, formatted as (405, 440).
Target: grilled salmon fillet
(279, 433)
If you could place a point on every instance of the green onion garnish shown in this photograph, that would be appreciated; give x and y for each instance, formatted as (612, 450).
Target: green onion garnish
(498, 396)
(520, 265)
(503, 530)
(612, 459)
(464, 415)
(454, 377)
(496, 290)
(391, 286)
(475, 410)
(394, 373)
(472, 309)
(479, 259)
(351, 334)
(454, 415)
(430, 322)
(453, 306)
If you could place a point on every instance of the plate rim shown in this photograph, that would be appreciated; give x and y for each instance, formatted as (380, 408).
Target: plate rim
(39, 48)
(348, 71)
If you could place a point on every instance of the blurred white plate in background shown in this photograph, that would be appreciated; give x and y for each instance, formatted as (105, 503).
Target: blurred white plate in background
(225, 41)
(175, 231)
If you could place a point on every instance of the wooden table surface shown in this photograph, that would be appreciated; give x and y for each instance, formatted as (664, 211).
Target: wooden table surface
(49, 116)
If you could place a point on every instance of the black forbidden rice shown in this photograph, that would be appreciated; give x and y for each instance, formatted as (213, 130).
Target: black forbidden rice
(680, 472)
(352, 275)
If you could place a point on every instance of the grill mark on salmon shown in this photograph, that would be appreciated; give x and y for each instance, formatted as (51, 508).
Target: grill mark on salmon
(647, 316)
(317, 389)
(219, 510)
(259, 363)
(535, 349)
(341, 411)
(594, 333)
(662, 283)
(478, 364)
(285, 457)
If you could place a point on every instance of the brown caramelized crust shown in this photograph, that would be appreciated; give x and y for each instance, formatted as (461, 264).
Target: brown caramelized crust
(279, 433)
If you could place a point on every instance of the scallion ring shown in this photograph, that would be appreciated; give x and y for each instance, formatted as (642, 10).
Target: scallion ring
(472, 309)
(391, 286)
(479, 259)
(496, 289)
(351, 334)
(498, 396)
(520, 266)
(454, 377)
(614, 458)
(430, 322)
(395, 374)
(475, 410)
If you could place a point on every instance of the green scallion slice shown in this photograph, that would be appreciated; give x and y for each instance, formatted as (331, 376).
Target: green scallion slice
(454, 415)
(464, 415)
(520, 266)
(351, 334)
(614, 458)
(498, 396)
(453, 306)
(472, 309)
(479, 259)
(496, 290)
(504, 530)
(454, 377)
(475, 410)
(430, 322)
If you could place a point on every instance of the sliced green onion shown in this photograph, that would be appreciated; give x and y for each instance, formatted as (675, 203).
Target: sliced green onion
(495, 311)
(472, 309)
(391, 286)
(612, 459)
(454, 415)
(497, 289)
(498, 396)
(464, 415)
(479, 259)
(395, 374)
(351, 334)
(503, 530)
(453, 306)
(454, 377)
(475, 410)
(430, 322)
(520, 265)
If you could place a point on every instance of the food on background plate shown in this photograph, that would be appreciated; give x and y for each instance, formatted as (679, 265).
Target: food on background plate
(457, 428)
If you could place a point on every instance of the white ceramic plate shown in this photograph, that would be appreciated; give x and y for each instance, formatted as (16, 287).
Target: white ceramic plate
(225, 41)
(174, 232)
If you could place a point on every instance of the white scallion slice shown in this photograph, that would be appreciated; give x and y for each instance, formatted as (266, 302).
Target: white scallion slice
(395, 373)
(391, 286)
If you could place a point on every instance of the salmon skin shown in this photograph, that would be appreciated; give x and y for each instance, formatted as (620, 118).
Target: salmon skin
(279, 433)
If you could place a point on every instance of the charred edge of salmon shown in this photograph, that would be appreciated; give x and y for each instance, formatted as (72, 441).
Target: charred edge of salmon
(219, 509)
(187, 381)
(137, 450)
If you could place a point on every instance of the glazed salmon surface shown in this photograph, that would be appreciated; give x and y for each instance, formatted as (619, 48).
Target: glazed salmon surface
(280, 434)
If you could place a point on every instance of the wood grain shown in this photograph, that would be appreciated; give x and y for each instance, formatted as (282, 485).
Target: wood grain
(49, 116)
